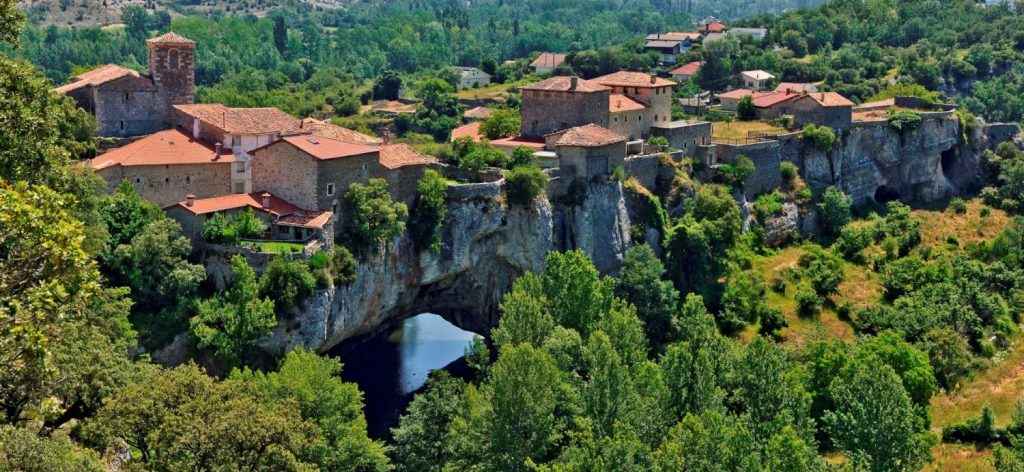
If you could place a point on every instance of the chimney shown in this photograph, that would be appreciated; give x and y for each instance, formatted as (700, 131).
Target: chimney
(266, 200)
(196, 128)
(654, 79)
(823, 96)
(190, 200)
(216, 151)
(386, 138)
(573, 82)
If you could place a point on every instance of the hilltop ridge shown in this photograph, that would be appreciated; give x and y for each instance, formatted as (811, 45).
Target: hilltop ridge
(108, 12)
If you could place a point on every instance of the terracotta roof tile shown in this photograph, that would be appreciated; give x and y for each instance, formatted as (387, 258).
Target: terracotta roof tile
(564, 84)
(471, 130)
(757, 74)
(171, 147)
(243, 121)
(394, 156)
(773, 98)
(588, 136)
(620, 103)
(740, 93)
(516, 141)
(796, 87)
(97, 76)
(831, 99)
(673, 36)
(889, 102)
(330, 130)
(688, 69)
(170, 38)
(285, 213)
(712, 27)
(633, 79)
(548, 60)
(323, 148)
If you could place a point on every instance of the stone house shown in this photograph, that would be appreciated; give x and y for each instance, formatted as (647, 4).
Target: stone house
(330, 130)
(127, 103)
(560, 103)
(403, 167)
(690, 137)
(166, 166)
(756, 80)
(588, 151)
(650, 92)
(470, 77)
(546, 63)
(824, 109)
(238, 129)
(285, 221)
(313, 171)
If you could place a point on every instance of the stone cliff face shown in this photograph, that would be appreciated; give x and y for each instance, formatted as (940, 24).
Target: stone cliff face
(486, 245)
(873, 161)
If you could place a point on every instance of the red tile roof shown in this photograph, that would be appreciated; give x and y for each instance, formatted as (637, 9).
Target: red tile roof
(773, 98)
(740, 93)
(633, 79)
(97, 76)
(471, 130)
(548, 60)
(170, 38)
(323, 148)
(306, 219)
(394, 156)
(242, 121)
(620, 103)
(889, 102)
(673, 36)
(330, 130)
(171, 147)
(202, 206)
(831, 99)
(564, 84)
(711, 28)
(796, 87)
(588, 136)
(688, 69)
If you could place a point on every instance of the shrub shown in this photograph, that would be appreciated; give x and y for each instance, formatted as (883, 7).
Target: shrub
(772, 321)
(789, 172)
(904, 121)
(981, 430)
(822, 136)
(287, 281)
(822, 268)
(836, 209)
(808, 303)
(524, 183)
(521, 156)
(619, 174)
(343, 266)
(985, 211)
(660, 141)
(429, 210)
(767, 205)
(501, 124)
(852, 241)
(219, 230)
(376, 218)
(958, 205)
(736, 173)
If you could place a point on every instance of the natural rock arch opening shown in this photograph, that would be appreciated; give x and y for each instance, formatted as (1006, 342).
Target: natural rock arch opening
(885, 194)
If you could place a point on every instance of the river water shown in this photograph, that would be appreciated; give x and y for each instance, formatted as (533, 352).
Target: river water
(391, 366)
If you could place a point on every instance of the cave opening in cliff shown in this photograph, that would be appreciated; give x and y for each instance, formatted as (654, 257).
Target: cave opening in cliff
(948, 160)
(885, 194)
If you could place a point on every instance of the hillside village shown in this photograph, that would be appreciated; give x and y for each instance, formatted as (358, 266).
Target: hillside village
(200, 160)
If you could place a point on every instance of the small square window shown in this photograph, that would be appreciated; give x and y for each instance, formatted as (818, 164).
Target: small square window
(330, 190)
(188, 179)
(138, 180)
(167, 180)
(127, 96)
(236, 141)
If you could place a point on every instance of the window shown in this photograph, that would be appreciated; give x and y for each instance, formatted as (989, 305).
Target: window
(138, 180)
(330, 190)
(173, 59)
(240, 167)
(122, 126)
(236, 141)
(239, 187)
(127, 96)
(655, 117)
(334, 209)
(167, 180)
(188, 179)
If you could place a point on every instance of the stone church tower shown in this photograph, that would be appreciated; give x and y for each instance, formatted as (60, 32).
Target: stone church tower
(172, 67)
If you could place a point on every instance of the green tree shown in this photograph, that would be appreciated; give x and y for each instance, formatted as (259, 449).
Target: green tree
(642, 283)
(387, 86)
(835, 208)
(501, 124)
(125, 215)
(823, 137)
(524, 314)
(312, 383)
(376, 218)
(154, 264)
(736, 174)
(795, 42)
(135, 19)
(429, 210)
(23, 450)
(707, 442)
(874, 422)
(183, 419)
(286, 281)
(421, 439)
(576, 294)
(949, 356)
(231, 323)
(524, 184)
(280, 34)
(745, 108)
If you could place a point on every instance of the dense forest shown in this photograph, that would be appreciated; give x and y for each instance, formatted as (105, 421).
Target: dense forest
(683, 361)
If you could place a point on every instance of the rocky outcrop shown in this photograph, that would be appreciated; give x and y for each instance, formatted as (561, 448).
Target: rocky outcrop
(874, 161)
(486, 245)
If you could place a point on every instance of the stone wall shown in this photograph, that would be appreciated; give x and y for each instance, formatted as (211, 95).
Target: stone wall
(766, 156)
(128, 106)
(544, 112)
(630, 124)
(288, 172)
(167, 184)
(687, 137)
(402, 182)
